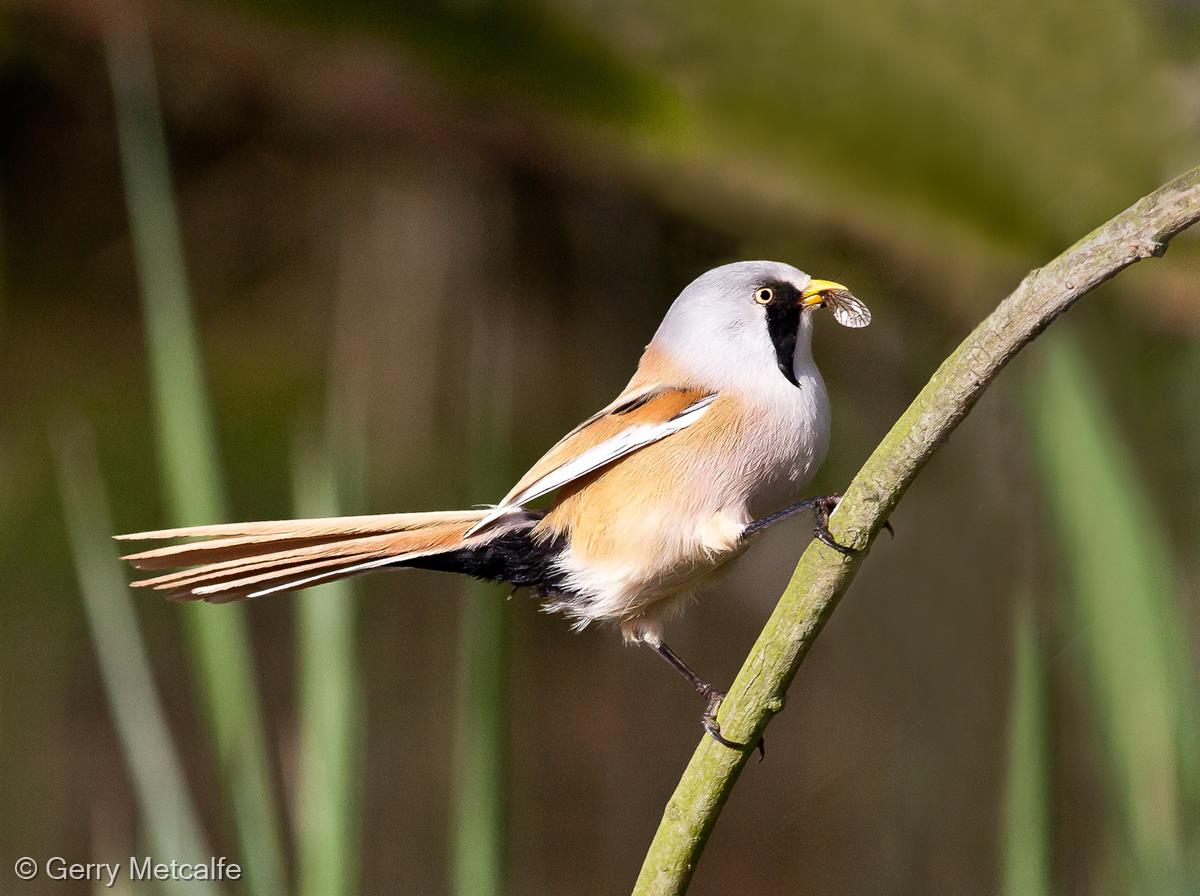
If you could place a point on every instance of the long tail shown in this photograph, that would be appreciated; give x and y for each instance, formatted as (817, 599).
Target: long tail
(240, 560)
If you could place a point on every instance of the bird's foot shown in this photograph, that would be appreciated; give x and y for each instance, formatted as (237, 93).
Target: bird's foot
(712, 700)
(713, 727)
(709, 721)
(822, 508)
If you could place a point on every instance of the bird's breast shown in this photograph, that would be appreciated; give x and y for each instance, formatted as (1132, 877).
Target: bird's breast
(787, 441)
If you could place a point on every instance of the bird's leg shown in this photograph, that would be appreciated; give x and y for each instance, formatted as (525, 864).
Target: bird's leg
(821, 506)
(712, 698)
(778, 516)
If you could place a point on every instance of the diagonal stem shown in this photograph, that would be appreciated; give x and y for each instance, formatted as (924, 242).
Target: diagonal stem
(823, 575)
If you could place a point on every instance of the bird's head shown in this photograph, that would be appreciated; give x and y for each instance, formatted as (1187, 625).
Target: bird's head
(752, 318)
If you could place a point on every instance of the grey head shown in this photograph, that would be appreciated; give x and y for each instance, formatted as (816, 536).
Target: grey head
(751, 318)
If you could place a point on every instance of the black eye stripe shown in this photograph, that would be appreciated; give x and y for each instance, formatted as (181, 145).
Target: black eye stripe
(783, 324)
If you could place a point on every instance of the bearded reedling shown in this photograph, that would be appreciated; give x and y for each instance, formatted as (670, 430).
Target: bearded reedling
(725, 422)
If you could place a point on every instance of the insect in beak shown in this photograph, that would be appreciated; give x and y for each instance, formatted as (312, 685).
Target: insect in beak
(817, 292)
(847, 310)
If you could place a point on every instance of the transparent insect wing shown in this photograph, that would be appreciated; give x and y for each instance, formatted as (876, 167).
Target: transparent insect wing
(848, 310)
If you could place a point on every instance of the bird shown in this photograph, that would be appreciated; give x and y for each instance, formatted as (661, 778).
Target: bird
(714, 440)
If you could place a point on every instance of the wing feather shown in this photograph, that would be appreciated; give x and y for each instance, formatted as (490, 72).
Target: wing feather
(631, 422)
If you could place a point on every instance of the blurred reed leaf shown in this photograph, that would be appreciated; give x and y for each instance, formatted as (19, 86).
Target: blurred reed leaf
(481, 735)
(481, 743)
(1127, 614)
(1027, 832)
(168, 817)
(219, 640)
(330, 694)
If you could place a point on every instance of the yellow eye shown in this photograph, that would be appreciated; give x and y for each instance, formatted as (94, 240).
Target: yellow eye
(763, 295)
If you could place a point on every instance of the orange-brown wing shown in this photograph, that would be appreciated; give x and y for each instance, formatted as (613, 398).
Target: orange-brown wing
(636, 419)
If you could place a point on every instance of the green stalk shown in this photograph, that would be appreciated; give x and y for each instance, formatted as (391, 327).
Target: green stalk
(1027, 797)
(218, 637)
(1126, 613)
(168, 817)
(481, 736)
(330, 732)
(481, 760)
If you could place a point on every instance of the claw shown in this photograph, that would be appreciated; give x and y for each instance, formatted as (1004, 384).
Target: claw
(713, 728)
(710, 724)
(823, 508)
(824, 536)
(714, 731)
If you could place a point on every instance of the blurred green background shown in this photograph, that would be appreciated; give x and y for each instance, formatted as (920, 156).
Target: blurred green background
(263, 259)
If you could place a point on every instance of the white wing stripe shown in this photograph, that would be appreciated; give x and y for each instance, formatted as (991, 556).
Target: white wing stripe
(597, 456)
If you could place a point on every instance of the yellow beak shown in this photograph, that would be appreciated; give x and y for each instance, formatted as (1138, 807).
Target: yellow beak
(814, 293)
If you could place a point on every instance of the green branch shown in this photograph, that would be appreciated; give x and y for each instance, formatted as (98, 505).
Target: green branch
(823, 575)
